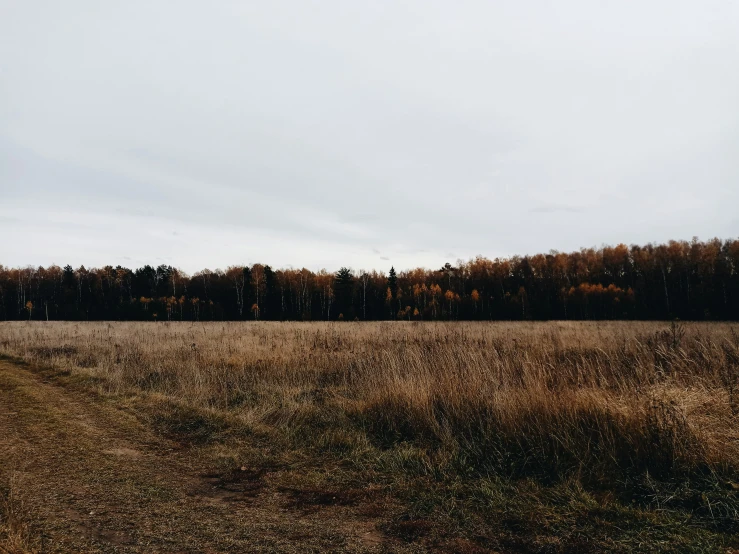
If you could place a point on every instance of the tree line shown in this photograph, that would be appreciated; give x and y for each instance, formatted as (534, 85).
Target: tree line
(688, 280)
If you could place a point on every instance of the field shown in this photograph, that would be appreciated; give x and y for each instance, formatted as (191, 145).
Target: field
(407, 437)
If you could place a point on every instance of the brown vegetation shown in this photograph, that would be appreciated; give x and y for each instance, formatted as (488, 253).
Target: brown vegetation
(639, 414)
(15, 537)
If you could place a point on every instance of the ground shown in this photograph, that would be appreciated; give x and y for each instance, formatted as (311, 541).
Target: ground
(543, 438)
(85, 475)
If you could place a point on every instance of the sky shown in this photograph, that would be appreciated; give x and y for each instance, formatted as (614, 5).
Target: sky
(334, 133)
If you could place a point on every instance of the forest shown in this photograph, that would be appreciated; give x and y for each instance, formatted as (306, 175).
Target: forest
(689, 280)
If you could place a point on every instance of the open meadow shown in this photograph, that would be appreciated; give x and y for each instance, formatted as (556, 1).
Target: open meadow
(521, 437)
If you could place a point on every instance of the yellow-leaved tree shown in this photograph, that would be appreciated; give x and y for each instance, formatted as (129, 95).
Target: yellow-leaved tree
(475, 298)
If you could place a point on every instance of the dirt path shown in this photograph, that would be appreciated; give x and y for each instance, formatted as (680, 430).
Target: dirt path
(87, 476)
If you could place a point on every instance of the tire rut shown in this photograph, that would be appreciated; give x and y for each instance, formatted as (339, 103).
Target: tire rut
(93, 478)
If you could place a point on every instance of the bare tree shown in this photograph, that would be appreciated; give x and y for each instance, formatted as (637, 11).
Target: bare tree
(364, 278)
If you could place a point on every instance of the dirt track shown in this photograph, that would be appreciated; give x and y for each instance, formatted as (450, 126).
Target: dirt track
(87, 475)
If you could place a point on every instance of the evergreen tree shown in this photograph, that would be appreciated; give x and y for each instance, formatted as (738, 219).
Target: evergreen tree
(344, 288)
(69, 293)
(392, 292)
(145, 281)
(392, 282)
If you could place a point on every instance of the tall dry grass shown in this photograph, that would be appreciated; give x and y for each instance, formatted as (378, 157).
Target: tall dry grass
(603, 402)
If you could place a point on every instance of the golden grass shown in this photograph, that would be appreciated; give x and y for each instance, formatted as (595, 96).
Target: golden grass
(603, 402)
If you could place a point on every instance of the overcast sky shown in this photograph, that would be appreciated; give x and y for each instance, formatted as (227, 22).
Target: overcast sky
(337, 132)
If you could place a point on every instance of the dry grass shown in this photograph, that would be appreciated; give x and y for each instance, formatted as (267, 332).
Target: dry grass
(545, 399)
(15, 535)
(647, 411)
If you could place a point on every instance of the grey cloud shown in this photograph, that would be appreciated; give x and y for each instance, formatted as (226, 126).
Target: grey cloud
(329, 133)
(553, 208)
